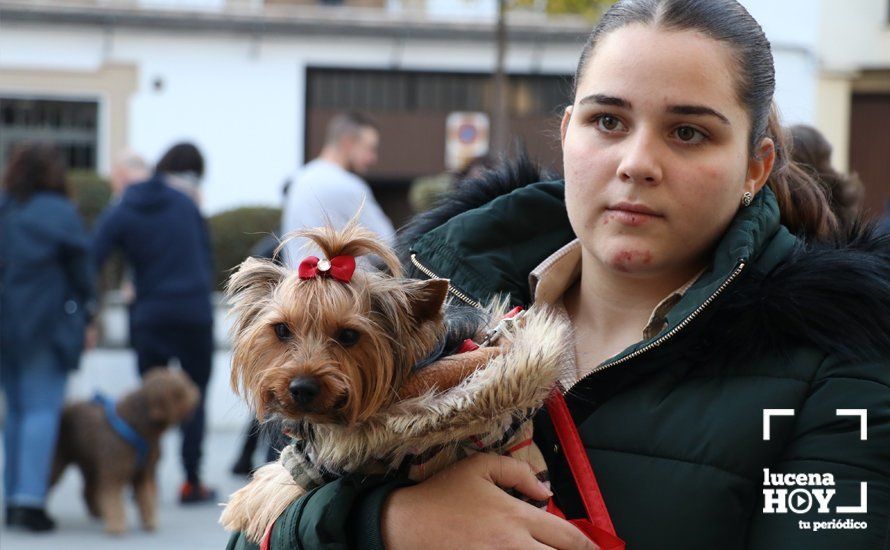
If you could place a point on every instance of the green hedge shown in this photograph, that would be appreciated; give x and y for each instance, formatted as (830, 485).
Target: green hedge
(234, 232)
(90, 192)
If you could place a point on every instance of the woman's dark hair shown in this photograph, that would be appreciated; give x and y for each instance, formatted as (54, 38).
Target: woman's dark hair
(34, 167)
(812, 152)
(182, 157)
(802, 202)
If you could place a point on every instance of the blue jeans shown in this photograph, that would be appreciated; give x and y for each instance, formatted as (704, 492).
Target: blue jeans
(35, 392)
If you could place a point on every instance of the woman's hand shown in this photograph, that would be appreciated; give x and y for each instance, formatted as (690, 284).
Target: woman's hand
(90, 337)
(465, 506)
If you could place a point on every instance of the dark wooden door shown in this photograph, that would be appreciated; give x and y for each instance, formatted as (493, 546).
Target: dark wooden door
(870, 148)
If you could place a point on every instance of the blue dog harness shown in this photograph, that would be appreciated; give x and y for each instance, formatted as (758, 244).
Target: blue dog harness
(123, 429)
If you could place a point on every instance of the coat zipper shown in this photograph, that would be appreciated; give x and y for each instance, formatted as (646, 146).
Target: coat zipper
(739, 267)
(428, 272)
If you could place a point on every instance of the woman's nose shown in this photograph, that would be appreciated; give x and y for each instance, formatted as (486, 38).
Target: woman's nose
(641, 163)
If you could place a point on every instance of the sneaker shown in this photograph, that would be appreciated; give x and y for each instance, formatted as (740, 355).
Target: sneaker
(192, 493)
(28, 518)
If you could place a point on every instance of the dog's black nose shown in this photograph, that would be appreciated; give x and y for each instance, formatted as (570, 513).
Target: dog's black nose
(304, 390)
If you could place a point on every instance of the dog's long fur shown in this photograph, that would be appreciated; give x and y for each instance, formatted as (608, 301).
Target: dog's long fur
(502, 387)
(398, 320)
(108, 463)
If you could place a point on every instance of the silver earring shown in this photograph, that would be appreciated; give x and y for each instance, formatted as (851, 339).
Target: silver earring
(747, 198)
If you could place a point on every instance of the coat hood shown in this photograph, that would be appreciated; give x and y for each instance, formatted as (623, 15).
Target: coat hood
(148, 196)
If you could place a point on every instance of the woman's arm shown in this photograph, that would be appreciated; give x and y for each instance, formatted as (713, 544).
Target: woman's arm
(74, 251)
(344, 513)
(464, 506)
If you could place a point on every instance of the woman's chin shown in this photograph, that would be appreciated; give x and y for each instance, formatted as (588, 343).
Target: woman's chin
(629, 260)
(627, 254)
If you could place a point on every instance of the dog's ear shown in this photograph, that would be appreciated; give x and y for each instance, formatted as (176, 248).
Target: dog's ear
(160, 407)
(249, 288)
(254, 277)
(427, 297)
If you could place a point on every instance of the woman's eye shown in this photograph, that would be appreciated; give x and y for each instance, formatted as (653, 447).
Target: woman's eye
(282, 331)
(608, 123)
(688, 134)
(347, 337)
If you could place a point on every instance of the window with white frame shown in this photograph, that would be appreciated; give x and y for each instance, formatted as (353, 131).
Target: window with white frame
(71, 125)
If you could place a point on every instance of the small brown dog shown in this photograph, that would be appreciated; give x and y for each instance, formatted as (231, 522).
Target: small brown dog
(367, 372)
(330, 346)
(119, 447)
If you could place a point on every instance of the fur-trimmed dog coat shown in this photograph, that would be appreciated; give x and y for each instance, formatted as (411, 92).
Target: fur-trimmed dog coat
(489, 410)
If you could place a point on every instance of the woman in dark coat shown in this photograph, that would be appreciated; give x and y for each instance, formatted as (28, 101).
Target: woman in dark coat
(727, 372)
(47, 287)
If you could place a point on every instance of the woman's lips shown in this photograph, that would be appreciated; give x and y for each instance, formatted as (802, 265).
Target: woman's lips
(632, 215)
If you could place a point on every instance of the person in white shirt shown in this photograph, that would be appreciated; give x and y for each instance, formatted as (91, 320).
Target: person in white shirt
(329, 189)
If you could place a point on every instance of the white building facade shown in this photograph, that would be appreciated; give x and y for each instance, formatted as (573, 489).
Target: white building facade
(231, 77)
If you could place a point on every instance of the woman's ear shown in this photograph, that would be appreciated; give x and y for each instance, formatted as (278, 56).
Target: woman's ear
(760, 166)
(564, 125)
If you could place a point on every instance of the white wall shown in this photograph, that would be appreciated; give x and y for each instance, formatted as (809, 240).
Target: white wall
(793, 29)
(241, 98)
(855, 34)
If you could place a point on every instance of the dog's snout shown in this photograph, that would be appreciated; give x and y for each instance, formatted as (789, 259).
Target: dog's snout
(304, 390)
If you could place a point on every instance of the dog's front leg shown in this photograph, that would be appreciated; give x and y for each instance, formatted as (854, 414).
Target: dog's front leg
(111, 505)
(255, 506)
(145, 490)
(91, 495)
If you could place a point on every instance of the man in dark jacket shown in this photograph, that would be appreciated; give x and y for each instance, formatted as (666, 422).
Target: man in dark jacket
(165, 240)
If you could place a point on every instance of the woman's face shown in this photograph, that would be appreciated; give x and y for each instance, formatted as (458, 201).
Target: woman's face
(655, 151)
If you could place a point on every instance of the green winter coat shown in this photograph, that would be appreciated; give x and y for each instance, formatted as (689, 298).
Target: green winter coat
(674, 425)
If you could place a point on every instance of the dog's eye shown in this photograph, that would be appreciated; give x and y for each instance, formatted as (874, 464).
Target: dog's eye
(282, 331)
(347, 337)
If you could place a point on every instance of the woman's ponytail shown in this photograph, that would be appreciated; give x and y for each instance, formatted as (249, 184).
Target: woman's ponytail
(803, 200)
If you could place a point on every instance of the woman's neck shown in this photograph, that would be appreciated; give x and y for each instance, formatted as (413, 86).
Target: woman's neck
(612, 304)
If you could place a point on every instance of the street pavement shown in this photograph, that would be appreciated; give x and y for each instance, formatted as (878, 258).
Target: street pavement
(179, 527)
(113, 372)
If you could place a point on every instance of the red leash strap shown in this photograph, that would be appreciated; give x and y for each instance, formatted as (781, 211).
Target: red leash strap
(580, 467)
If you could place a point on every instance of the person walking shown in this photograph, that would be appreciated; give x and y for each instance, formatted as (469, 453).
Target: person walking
(46, 293)
(166, 243)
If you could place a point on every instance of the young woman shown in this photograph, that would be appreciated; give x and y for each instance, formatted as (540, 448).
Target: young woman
(45, 288)
(695, 309)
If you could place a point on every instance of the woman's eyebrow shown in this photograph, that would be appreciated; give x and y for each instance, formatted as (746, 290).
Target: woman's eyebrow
(603, 99)
(697, 110)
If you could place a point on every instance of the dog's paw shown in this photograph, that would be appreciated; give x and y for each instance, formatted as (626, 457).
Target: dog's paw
(115, 529)
(252, 508)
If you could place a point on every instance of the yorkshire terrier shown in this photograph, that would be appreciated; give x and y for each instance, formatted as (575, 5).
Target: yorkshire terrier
(116, 445)
(372, 372)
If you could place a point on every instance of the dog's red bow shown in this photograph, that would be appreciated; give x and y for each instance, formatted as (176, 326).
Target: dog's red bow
(338, 267)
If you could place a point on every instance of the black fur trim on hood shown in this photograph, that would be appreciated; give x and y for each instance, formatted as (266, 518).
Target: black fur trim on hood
(507, 175)
(832, 296)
